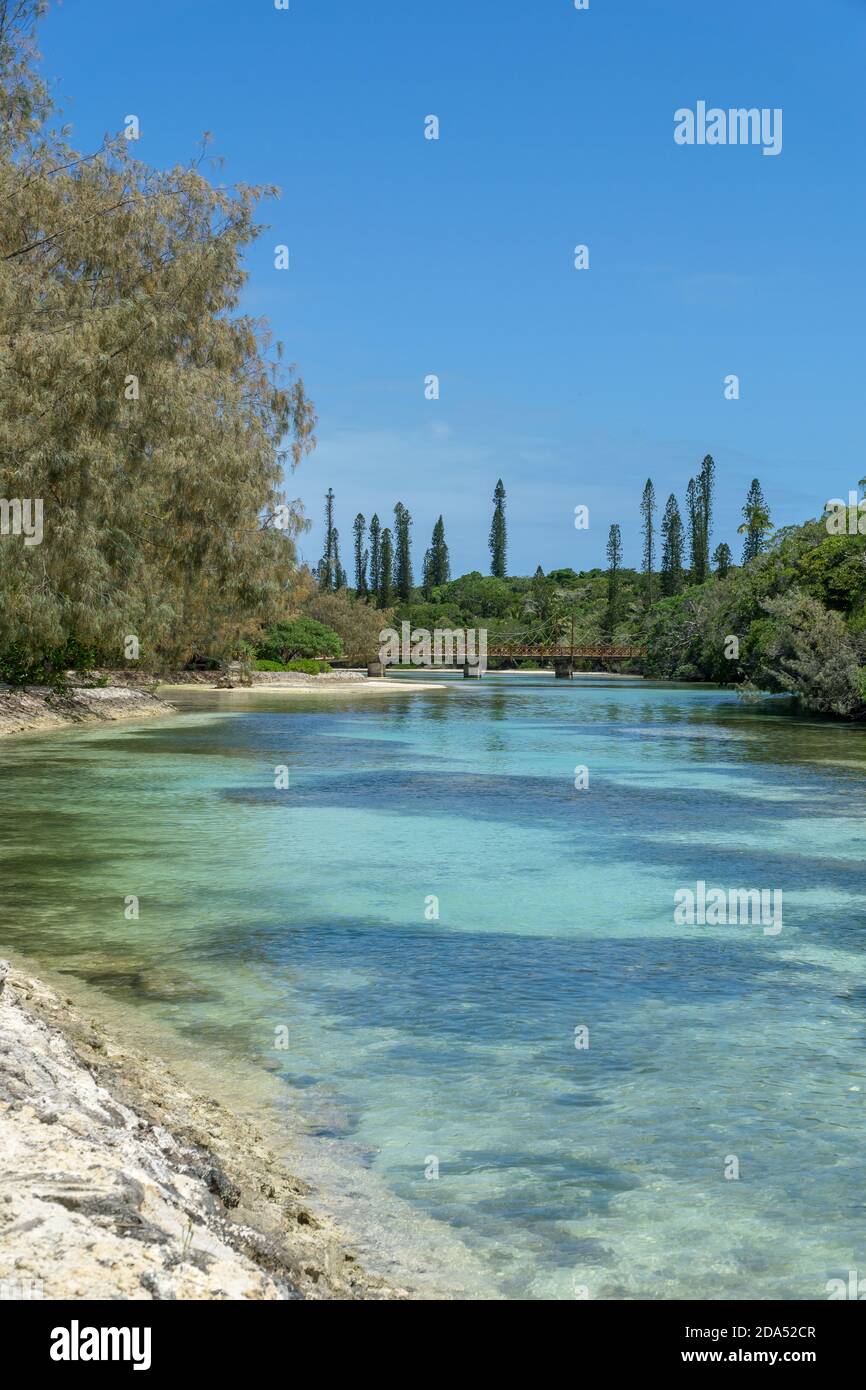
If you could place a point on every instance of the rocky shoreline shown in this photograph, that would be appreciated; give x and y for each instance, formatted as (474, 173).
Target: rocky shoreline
(119, 1183)
(116, 1180)
(32, 708)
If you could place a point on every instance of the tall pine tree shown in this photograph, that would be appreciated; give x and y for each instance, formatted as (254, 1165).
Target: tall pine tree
(647, 508)
(756, 525)
(614, 565)
(498, 541)
(375, 553)
(437, 565)
(327, 569)
(361, 556)
(440, 563)
(722, 559)
(340, 577)
(386, 570)
(672, 549)
(706, 484)
(696, 528)
(403, 580)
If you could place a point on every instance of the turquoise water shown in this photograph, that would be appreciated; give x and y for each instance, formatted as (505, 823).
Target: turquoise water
(562, 1173)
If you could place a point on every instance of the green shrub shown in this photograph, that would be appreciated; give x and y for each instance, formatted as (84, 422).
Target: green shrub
(309, 668)
(302, 638)
(357, 624)
(20, 668)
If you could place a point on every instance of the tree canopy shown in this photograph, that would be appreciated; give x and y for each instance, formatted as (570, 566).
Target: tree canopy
(150, 415)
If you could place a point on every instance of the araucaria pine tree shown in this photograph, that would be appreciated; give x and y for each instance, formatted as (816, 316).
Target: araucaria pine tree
(722, 559)
(756, 525)
(614, 565)
(437, 565)
(647, 509)
(706, 484)
(327, 569)
(672, 549)
(695, 522)
(498, 533)
(340, 578)
(361, 556)
(386, 568)
(375, 553)
(403, 580)
(440, 564)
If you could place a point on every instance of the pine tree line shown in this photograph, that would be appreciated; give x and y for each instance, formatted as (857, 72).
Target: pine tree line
(383, 568)
(674, 572)
(384, 573)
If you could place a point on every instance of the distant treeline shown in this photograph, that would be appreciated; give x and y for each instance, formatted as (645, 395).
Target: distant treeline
(791, 618)
(383, 570)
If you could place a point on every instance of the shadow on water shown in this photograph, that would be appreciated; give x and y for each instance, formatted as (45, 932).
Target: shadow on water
(413, 1037)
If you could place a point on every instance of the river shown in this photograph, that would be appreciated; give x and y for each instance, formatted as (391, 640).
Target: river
(460, 974)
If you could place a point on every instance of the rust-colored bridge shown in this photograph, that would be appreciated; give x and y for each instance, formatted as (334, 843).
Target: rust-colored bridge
(565, 652)
(563, 656)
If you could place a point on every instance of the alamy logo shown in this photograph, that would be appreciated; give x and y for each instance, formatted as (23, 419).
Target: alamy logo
(718, 907)
(22, 516)
(854, 1289)
(843, 519)
(20, 1289)
(444, 647)
(76, 1343)
(737, 126)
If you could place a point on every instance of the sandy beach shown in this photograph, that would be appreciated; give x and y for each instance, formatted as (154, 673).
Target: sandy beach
(311, 685)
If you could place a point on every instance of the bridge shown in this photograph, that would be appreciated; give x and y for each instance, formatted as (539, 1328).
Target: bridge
(568, 651)
(562, 655)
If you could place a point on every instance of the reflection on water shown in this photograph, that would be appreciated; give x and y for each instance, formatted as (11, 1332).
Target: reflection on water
(419, 1042)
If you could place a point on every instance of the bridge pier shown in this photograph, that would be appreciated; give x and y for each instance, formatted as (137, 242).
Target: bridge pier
(562, 668)
(470, 671)
(375, 668)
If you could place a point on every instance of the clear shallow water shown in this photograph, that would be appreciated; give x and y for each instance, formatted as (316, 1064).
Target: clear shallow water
(410, 1039)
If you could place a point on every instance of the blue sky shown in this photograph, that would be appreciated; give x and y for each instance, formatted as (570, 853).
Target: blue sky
(455, 256)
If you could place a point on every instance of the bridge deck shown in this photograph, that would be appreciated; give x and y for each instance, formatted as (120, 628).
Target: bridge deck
(566, 652)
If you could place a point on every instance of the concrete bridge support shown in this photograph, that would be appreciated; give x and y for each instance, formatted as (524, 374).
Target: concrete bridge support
(470, 672)
(375, 668)
(562, 668)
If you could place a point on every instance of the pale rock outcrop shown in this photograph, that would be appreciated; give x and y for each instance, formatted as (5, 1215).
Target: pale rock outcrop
(111, 1187)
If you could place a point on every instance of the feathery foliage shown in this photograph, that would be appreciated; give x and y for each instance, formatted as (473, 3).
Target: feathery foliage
(152, 418)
